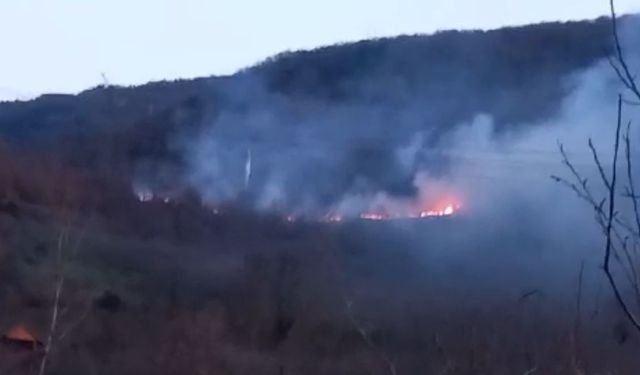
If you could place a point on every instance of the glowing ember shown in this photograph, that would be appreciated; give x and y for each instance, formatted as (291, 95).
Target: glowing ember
(448, 210)
(429, 202)
(373, 216)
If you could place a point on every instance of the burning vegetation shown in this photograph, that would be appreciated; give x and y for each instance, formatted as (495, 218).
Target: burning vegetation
(377, 208)
(392, 210)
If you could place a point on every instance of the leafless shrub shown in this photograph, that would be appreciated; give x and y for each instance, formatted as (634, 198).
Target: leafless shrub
(622, 236)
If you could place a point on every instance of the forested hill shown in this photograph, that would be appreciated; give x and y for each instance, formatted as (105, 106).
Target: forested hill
(514, 74)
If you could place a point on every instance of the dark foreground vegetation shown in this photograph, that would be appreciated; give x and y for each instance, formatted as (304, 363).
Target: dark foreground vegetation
(172, 288)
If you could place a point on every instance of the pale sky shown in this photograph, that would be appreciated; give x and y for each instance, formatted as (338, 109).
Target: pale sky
(65, 45)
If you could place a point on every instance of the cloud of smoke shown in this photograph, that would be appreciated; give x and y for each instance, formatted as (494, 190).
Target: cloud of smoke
(388, 147)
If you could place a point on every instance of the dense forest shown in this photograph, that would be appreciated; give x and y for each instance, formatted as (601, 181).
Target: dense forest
(517, 75)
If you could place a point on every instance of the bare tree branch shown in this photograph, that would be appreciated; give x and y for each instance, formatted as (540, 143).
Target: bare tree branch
(609, 220)
(632, 188)
(62, 244)
(367, 339)
(60, 279)
(623, 71)
(607, 255)
(603, 175)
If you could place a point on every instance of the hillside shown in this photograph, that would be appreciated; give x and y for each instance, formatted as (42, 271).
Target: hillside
(456, 74)
(363, 101)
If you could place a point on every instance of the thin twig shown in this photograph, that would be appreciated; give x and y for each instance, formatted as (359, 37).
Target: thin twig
(74, 325)
(603, 175)
(607, 255)
(632, 188)
(56, 302)
(581, 188)
(365, 337)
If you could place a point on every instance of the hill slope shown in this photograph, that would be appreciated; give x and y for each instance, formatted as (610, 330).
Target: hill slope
(492, 71)
(337, 115)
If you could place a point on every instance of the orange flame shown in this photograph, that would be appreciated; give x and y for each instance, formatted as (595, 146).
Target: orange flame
(448, 207)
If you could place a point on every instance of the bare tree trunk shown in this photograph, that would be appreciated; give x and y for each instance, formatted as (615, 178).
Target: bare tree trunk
(610, 220)
(60, 278)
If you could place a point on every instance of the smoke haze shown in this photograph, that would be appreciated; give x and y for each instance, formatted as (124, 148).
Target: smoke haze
(380, 148)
